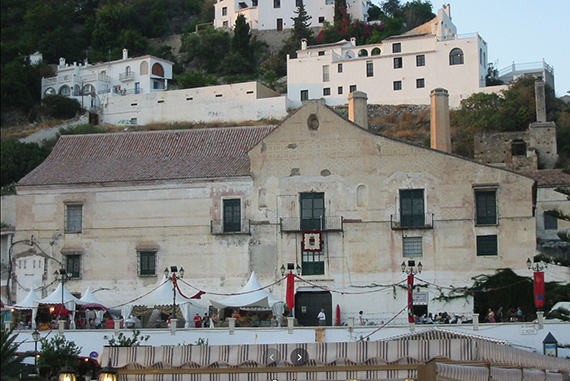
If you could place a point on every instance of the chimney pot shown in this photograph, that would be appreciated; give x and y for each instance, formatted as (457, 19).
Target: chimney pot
(440, 124)
(358, 108)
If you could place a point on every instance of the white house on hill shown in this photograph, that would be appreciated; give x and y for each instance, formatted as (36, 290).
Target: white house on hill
(94, 85)
(399, 70)
(278, 14)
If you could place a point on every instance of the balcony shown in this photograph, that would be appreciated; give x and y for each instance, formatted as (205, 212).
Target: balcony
(217, 227)
(418, 221)
(124, 77)
(329, 224)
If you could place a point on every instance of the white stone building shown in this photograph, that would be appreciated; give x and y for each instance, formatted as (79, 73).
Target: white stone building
(95, 85)
(116, 209)
(399, 70)
(278, 14)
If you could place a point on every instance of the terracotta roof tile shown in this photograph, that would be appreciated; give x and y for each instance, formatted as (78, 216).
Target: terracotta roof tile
(546, 178)
(144, 156)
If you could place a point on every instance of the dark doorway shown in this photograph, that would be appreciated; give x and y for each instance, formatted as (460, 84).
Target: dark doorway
(309, 304)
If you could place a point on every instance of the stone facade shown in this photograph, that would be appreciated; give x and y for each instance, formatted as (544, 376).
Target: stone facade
(351, 186)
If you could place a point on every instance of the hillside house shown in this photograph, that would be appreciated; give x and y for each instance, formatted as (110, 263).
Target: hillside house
(278, 14)
(116, 209)
(94, 85)
(400, 70)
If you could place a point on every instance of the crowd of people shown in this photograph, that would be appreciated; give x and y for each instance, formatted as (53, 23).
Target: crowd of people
(513, 315)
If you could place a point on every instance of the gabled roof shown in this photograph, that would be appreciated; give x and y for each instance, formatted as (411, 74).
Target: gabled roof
(444, 334)
(145, 156)
(549, 178)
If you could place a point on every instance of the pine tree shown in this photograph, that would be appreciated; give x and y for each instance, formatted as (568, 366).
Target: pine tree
(301, 25)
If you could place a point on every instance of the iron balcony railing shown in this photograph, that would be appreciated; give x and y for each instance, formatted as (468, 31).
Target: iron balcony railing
(416, 221)
(296, 224)
(219, 227)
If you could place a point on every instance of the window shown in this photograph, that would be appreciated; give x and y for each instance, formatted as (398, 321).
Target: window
(321, 53)
(518, 147)
(421, 60)
(486, 207)
(397, 85)
(313, 262)
(339, 90)
(312, 211)
(326, 73)
(412, 247)
(74, 217)
(224, 11)
(412, 207)
(376, 52)
(279, 24)
(369, 69)
(321, 19)
(398, 64)
(397, 47)
(298, 3)
(276, 3)
(73, 265)
(327, 91)
(363, 53)
(486, 245)
(339, 68)
(147, 263)
(352, 89)
(232, 215)
(550, 222)
(456, 57)
(304, 95)
(225, 24)
(420, 83)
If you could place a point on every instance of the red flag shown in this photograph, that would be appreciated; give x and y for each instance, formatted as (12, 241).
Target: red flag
(539, 289)
(411, 299)
(290, 296)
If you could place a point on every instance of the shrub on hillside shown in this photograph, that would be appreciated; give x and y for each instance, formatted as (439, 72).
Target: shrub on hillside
(60, 107)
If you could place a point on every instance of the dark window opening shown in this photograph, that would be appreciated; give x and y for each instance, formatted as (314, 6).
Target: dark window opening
(412, 207)
(486, 207)
(312, 211)
(232, 215)
(487, 245)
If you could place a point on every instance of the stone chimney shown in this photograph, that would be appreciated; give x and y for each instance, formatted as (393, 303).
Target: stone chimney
(358, 108)
(440, 125)
(125, 54)
(540, 100)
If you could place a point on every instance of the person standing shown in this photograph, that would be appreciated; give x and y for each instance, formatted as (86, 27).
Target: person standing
(322, 317)
(361, 318)
(197, 321)
(499, 315)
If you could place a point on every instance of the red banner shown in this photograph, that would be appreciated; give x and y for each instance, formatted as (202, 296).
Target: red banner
(411, 299)
(290, 296)
(539, 289)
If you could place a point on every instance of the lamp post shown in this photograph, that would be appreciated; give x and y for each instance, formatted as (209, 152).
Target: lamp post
(290, 290)
(36, 337)
(62, 276)
(537, 267)
(67, 373)
(411, 270)
(176, 275)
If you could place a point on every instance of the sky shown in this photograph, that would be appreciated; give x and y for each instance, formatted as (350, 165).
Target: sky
(521, 31)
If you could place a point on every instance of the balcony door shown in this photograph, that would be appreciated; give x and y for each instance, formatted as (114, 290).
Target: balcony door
(312, 211)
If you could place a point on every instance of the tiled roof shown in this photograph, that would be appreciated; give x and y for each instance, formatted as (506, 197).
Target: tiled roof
(444, 334)
(547, 178)
(145, 156)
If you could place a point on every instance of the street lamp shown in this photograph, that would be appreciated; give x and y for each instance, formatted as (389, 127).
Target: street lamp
(411, 270)
(62, 276)
(67, 373)
(290, 268)
(176, 275)
(534, 265)
(36, 337)
(108, 373)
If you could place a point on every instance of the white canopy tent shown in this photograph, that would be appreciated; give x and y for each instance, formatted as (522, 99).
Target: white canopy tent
(56, 297)
(91, 302)
(29, 303)
(252, 296)
(162, 296)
